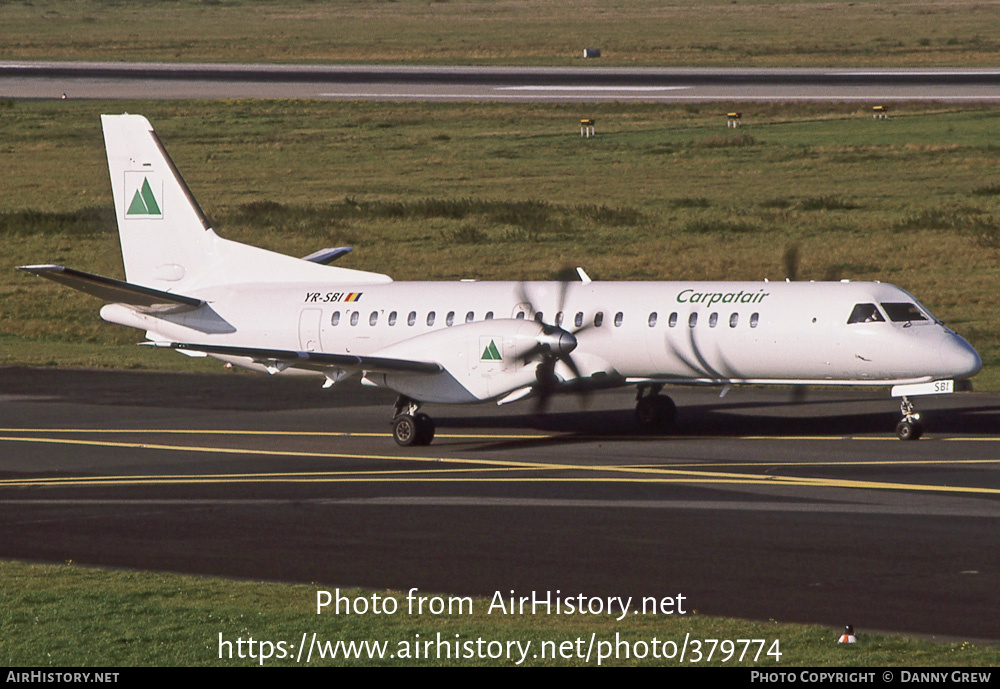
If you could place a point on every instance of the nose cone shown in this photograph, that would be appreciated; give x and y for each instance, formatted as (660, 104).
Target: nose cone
(958, 357)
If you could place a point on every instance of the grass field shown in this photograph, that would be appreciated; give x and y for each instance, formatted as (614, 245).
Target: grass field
(893, 33)
(70, 616)
(499, 191)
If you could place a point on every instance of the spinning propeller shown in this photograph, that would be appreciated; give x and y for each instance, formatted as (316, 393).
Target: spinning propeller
(553, 345)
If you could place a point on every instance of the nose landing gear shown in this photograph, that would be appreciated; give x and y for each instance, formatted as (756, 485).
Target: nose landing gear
(910, 428)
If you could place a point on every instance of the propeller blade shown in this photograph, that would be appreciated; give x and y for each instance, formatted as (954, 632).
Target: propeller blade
(571, 365)
(546, 377)
(532, 353)
(799, 394)
(791, 259)
(541, 403)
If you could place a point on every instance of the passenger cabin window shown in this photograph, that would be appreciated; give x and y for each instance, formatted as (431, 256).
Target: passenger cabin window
(559, 319)
(449, 320)
(734, 320)
(430, 318)
(693, 319)
(903, 311)
(713, 320)
(392, 318)
(578, 321)
(412, 318)
(619, 317)
(373, 319)
(469, 317)
(754, 319)
(598, 319)
(335, 318)
(520, 316)
(652, 319)
(539, 317)
(672, 321)
(354, 318)
(489, 315)
(865, 313)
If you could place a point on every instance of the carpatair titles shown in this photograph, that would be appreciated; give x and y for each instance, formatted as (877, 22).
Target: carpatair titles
(689, 296)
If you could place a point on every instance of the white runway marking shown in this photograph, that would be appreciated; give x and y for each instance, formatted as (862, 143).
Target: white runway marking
(590, 88)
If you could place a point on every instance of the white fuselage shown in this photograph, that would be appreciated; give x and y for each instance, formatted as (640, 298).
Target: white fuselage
(629, 332)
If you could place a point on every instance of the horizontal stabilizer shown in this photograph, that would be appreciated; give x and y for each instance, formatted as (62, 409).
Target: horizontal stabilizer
(287, 358)
(328, 256)
(116, 291)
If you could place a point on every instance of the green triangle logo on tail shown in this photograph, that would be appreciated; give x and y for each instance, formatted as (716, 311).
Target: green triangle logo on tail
(491, 353)
(143, 201)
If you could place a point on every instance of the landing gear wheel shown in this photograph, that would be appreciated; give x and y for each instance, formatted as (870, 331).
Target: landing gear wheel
(646, 413)
(656, 412)
(425, 429)
(667, 411)
(909, 430)
(405, 430)
(412, 430)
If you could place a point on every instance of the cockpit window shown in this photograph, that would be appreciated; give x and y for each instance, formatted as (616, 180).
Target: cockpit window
(865, 313)
(903, 311)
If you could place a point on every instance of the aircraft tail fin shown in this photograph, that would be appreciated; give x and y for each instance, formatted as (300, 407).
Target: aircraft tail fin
(166, 240)
(165, 236)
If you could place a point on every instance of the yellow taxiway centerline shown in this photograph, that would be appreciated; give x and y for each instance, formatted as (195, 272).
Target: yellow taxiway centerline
(658, 474)
(318, 434)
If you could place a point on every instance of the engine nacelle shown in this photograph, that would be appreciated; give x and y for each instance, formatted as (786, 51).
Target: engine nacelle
(482, 361)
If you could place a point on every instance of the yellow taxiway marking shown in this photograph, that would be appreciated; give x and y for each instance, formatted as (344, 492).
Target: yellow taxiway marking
(646, 474)
(835, 463)
(493, 463)
(304, 434)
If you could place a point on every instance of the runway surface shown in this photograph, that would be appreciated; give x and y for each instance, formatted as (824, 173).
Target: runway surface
(109, 80)
(757, 508)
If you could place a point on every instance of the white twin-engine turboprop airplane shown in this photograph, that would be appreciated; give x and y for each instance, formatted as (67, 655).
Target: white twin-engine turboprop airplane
(468, 341)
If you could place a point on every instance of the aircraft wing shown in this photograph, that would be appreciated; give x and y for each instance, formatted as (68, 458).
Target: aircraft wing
(280, 359)
(141, 298)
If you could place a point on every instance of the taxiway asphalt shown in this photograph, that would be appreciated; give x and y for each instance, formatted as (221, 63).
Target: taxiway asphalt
(760, 506)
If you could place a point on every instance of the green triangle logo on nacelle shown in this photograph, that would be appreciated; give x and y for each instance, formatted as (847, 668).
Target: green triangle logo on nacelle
(491, 353)
(143, 201)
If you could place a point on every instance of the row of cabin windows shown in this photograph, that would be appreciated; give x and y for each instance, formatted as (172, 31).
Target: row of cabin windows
(411, 318)
(713, 319)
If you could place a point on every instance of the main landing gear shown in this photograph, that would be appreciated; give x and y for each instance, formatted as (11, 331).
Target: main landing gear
(410, 427)
(910, 428)
(653, 411)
